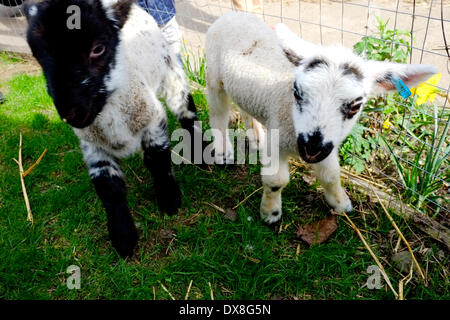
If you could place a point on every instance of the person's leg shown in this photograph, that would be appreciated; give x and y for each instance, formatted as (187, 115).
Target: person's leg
(163, 11)
(253, 6)
(172, 34)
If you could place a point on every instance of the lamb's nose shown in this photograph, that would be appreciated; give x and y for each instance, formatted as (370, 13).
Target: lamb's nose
(69, 116)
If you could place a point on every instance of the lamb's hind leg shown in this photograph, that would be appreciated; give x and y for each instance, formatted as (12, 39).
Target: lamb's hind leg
(109, 183)
(219, 115)
(181, 103)
(255, 131)
(157, 158)
(328, 173)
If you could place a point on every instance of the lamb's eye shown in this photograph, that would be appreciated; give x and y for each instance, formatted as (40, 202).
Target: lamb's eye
(352, 108)
(97, 51)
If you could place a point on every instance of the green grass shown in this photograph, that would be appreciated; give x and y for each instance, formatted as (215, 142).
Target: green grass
(10, 57)
(198, 244)
(423, 180)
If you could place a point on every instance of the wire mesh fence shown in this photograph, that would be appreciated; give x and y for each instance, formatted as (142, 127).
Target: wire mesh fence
(404, 143)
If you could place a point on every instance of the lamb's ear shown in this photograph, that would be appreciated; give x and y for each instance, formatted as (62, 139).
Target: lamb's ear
(294, 48)
(121, 10)
(381, 74)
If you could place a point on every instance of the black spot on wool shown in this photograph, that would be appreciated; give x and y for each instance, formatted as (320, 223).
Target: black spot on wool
(317, 62)
(352, 70)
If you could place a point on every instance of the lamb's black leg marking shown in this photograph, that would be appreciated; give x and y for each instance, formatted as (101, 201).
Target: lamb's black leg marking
(189, 122)
(157, 158)
(110, 186)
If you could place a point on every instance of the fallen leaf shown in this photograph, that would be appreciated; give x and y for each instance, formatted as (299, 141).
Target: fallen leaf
(167, 233)
(403, 260)
(318, 232)
(309, 179)
(230, 214)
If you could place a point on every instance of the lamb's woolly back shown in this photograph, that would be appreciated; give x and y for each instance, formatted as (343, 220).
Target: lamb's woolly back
(250, 65)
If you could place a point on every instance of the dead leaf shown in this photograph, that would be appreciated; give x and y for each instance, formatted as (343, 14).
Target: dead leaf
(309, 179)
(167, 233)
(318, 232)
(230, 214)
(403, 260)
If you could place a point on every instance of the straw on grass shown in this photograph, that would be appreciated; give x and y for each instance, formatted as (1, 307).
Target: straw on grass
(188, 290)
(211, 291)
(168, 292)
(190, 162)
(247, 197)
(28, 171)
(22, 182)
(398, 231)
(383, 272)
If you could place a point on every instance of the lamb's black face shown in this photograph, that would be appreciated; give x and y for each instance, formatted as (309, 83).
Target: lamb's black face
(76, 61)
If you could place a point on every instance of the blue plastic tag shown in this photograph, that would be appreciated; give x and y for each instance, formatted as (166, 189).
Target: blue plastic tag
(402, 89)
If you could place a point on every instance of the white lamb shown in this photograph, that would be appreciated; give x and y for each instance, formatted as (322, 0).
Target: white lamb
(313, 95)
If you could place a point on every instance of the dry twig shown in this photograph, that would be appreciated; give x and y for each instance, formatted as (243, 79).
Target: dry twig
(399, 232)
(247, 197)
(211, 291)
(401, 285)
(165, 289)
(22, 182)
(383, 272)
(28, 171)
(198, 167)
(188, 290)
(215, 207)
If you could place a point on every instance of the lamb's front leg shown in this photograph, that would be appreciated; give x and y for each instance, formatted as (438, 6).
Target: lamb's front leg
(109, 183)
(273, 184)
(157, 158)
(328, 173)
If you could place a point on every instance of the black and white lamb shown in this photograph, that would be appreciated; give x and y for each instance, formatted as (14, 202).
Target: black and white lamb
(104, 74)
(311, 95)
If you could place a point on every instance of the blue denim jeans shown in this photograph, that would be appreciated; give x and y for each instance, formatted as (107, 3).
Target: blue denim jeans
(161, 10)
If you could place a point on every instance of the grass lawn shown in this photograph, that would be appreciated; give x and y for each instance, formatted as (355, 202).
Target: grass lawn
(241, 259)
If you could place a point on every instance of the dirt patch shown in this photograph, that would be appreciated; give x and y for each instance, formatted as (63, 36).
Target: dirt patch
(27, 65)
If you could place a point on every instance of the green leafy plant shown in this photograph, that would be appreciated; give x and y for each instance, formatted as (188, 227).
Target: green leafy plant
(392, 45)
(195, 67)
(357, 149)
(423, 176)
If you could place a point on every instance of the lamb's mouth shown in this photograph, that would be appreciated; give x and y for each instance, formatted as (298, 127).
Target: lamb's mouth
(318, 155)
(86, 121)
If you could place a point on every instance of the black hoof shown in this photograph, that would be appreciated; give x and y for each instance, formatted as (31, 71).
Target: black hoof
(275, 226)
(169, 197)
(124, 239)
